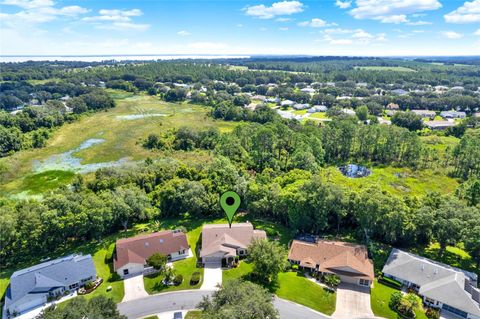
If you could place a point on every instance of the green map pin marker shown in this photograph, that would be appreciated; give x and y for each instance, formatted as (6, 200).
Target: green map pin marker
(230, 201)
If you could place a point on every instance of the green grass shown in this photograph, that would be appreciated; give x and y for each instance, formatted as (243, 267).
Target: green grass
(121, 137)
(319, 115)
(240, 272)
(380, 298)
(193, 315)
(45, 181)
(399, 181)
(151, 317)
(296, 288)
(385, 68)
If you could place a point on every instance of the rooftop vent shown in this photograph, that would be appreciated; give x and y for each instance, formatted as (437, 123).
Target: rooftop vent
(161, 241)
(147, 244)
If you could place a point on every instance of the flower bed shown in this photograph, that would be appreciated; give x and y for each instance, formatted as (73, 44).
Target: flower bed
(84, 290)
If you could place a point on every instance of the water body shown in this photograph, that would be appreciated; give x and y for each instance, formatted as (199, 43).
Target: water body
(100, 58)
(68, 162)
(355, 171)
(138, 116)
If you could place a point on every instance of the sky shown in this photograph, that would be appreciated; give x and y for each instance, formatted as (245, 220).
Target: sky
(322, 27)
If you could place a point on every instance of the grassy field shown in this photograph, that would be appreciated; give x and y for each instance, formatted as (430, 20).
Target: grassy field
(400, 181)
(121, 140)
(385, 68)
(193, 315)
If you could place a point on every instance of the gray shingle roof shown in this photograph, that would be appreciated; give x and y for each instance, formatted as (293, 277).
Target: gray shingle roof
(56, 273)
(436, 280)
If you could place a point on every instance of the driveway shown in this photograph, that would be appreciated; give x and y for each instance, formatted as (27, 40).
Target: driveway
(212, 276)
(189, 299)
(134, 288)
(353, 302)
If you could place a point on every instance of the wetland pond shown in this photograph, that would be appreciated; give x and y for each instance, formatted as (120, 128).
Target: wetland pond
(355, 171)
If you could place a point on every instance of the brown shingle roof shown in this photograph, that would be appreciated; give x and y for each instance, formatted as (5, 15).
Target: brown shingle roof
(333, 257)
(222, 238)
(138, 249)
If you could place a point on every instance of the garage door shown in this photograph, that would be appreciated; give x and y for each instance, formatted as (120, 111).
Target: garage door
(213, 260)
(349, 280)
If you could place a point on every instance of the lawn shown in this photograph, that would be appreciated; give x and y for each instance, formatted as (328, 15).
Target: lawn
(399, 181)
(319, 115)
(240, 272)
(193, 315)
(121, 140)
(380, 298)
(294, 287)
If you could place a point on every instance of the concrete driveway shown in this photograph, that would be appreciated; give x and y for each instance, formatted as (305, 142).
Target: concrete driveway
(134, 288)
(212, 276)
(353, 302)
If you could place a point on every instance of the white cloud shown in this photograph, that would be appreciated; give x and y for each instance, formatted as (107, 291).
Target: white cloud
(351, 36)
(276, 9)
(419, 23)
(283, 19)
(396, 19)
(114, 19)
(239, 25)
(468, 13)
(283, 29)
(451, 34)
(391, 11)
(183, 33)
(477, 32)
(343, 4)
(314, 23)
(36, 12)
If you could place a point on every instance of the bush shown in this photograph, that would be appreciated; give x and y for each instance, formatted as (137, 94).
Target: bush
(89, 285)
(390, 282)
(395, 300)
(432, 313)
(331, 280)
(114, 277)
(195, 279)
(109, 253)
(294, 267)
(177, 280)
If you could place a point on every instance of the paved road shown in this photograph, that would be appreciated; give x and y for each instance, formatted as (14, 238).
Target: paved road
(188, 299)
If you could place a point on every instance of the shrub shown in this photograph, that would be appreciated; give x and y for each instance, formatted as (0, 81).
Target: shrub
(395, 300)
(195, 279)
(432, 313)
(331, 280)
(177, 280)
(114, 277)
(89, 285)
(295, 267)
(390, 282)
(109, 253)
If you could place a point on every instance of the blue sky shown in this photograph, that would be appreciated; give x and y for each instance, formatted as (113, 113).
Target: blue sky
(322, 27)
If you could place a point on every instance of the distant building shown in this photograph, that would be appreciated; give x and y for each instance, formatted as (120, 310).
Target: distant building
(457, 88)
(308, 90)
(399, 92)
(32, 287)
(361, 85)
(299, 106)
(317, 108)
(425, 113)
(453, 115)
(349, 112)
(287, 103)
(392, 106)
(476, 115)
(439, 125)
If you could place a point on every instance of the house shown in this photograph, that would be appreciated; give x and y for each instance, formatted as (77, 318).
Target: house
(425, 113)
(447, 288)
(439, 125)
(299, 106)
(131, 253)
(33, 287)
(348, 261)
(457, 88)
(399, 92)
(361, 85)
(349, 112)
(476, 115)
(220, 242)
(392, 106)
(453, 115)
(317, 108)
(287, 103)
(308, 90)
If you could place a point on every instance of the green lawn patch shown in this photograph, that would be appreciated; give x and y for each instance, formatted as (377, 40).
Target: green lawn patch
(45, 181)
(240, 272)
(151, 317)
(294, 287)
(380, 298)
(196, 314)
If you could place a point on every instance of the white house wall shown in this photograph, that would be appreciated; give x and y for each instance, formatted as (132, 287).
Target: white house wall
(132, 269)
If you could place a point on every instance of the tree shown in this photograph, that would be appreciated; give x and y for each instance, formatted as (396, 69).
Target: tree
(10, 140)
(157, 261)
(472, 242)
(331, 280)
(408, 120)
(239, 300)
(268, 258)
(362, 112)
(99, 307)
